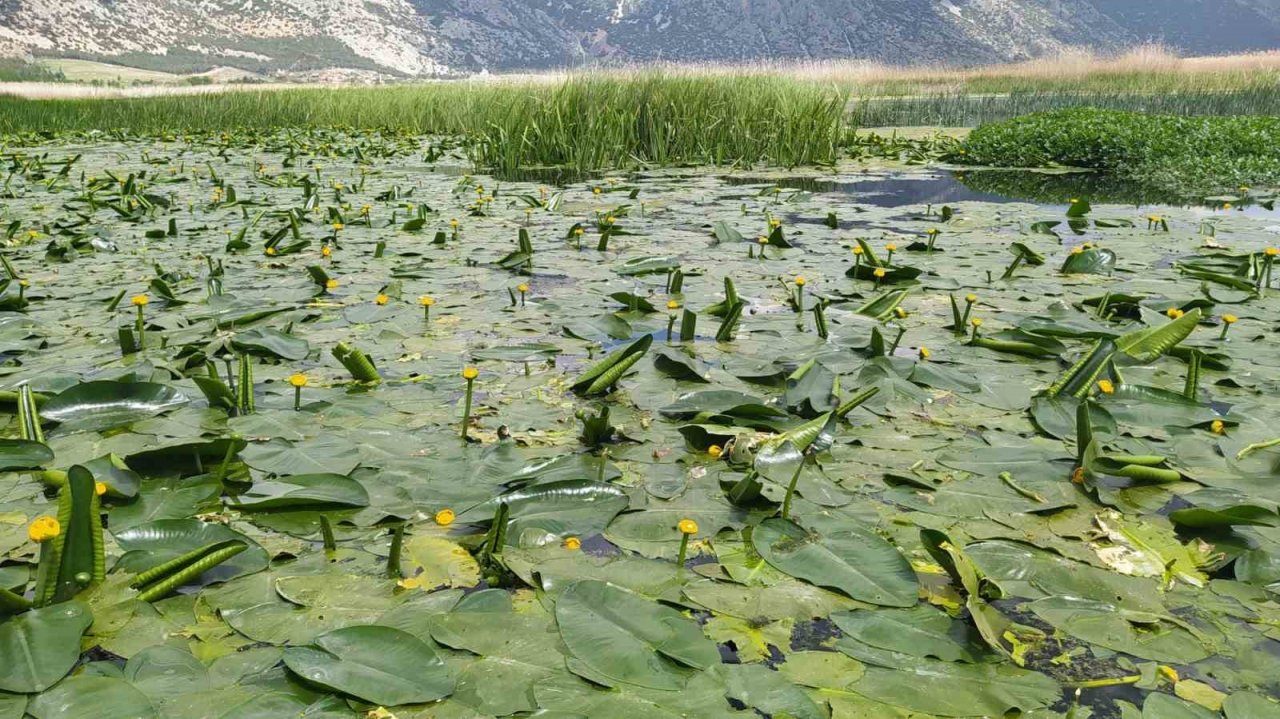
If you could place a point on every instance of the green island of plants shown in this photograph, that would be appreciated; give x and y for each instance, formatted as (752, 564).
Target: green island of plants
(321, 422)
(1175, 154)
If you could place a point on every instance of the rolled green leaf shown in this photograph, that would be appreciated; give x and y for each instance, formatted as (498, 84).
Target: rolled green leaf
(613, 374)
(167, 586)
(244, 387)
(163, 570)
(587, 380)
(29, 415)
(729, 324)
(1079, 377)
(357, 363)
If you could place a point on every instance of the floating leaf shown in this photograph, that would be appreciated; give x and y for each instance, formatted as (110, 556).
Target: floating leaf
(372, 663)
(852, 560)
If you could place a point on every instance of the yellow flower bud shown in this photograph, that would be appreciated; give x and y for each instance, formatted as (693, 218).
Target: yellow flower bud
(470, 373)
(687, 526)
(1106, 386)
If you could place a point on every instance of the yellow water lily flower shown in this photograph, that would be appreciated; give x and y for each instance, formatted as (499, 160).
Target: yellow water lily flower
(43, 529)
(470, 373)
(426, 300)
(326, 251)
(924, 353)
(800, 281)
(879, 273)
(381, 299)
(522, 287)
(298, 380)
(445, 517)
(1230, 319)
(715, 451)
(572, 544)
(140, 300)
(100, 488)
(673, 305)
(687, 526)
(1106, 386)
(1218, 427)
(331, 285)
(970, 298)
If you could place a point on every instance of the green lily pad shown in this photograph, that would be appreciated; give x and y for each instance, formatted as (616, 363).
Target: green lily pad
(105, 405)
(38, 648)
(852, 560)
(629, 638)
(376, 664)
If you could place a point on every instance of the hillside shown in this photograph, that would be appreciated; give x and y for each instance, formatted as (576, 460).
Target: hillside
(413, 38)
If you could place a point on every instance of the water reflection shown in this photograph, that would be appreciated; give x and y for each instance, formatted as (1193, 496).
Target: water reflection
(996, 186)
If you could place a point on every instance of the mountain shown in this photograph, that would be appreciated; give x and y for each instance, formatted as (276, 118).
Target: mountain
(414, 38)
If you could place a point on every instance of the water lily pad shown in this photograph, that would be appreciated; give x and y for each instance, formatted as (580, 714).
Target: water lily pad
(852, 560)
(376, 664)
(105, 697)
(631, 639)
(23, 454)
(104, 405)
(39, 647)
(301, 491)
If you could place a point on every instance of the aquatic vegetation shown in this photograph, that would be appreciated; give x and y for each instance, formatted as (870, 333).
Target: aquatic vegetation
(388, 438)
(1187, 156)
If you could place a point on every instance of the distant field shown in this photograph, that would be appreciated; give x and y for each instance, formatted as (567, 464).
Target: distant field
(877, 96)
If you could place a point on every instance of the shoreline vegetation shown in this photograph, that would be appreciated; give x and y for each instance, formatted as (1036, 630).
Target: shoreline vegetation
(783, 114)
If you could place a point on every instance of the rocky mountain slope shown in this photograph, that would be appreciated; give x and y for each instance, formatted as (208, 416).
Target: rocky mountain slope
(431, 37)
